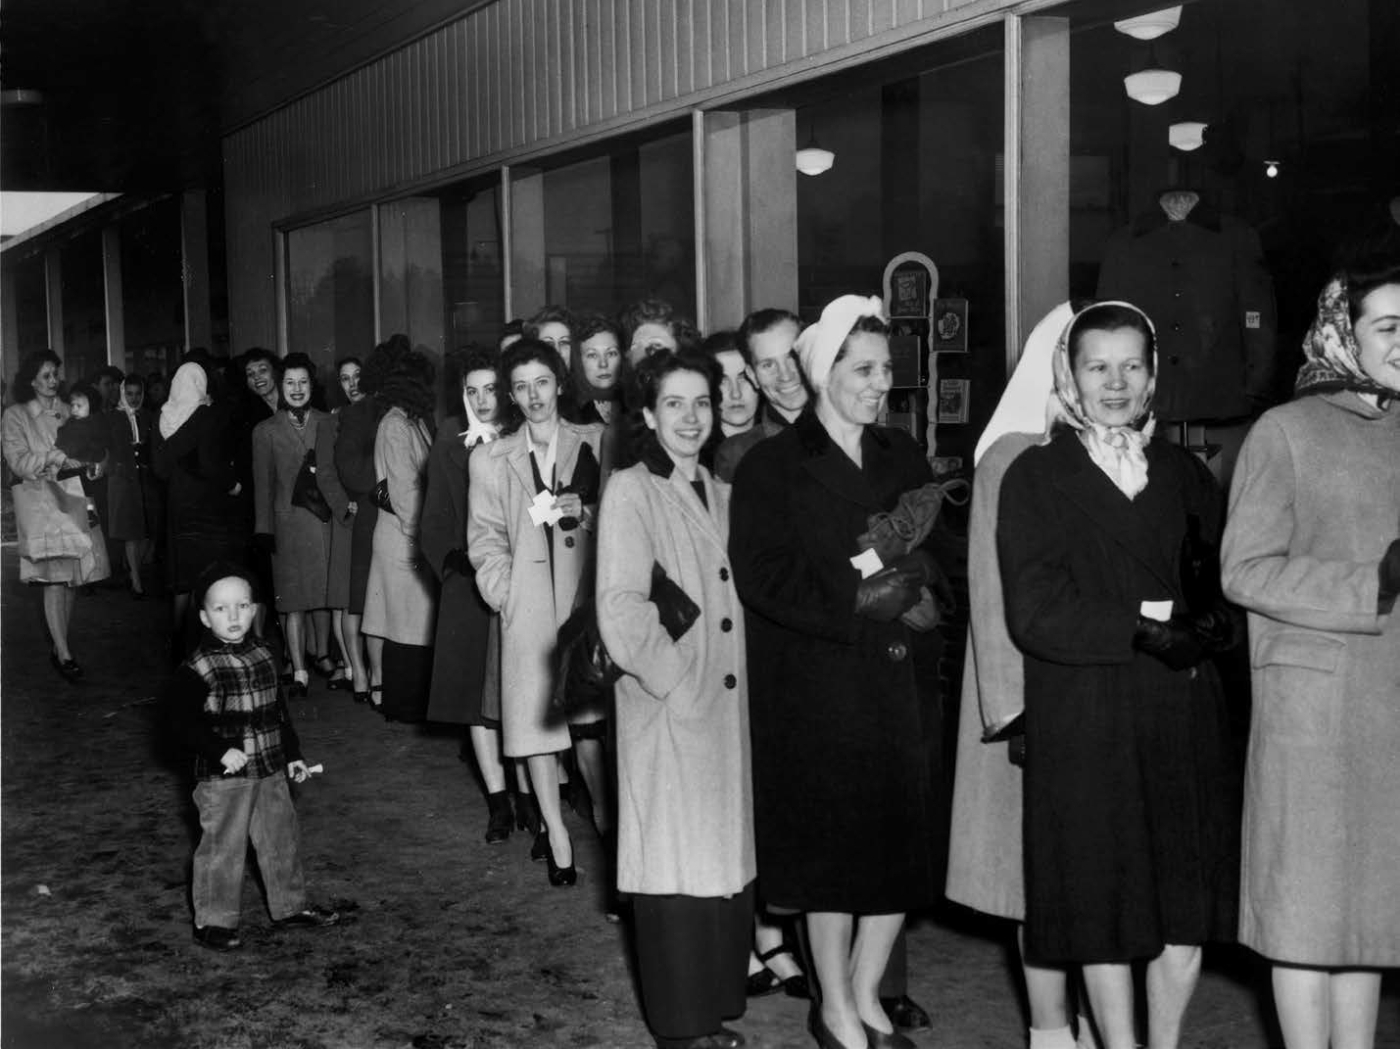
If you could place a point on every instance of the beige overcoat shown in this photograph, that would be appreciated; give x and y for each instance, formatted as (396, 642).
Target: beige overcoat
(984, 847)
(685, 798)
(514, 573)
(1314, 504)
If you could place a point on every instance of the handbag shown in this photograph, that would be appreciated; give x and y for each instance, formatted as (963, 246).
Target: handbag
(896, 533)
(583, 671)
(306, 493)
(380, 496)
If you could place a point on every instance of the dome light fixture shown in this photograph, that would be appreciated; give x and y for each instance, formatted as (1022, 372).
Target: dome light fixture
(813, 160)
(1271, 168)
(1152, 25)
(1186, 135)
(1152, 87)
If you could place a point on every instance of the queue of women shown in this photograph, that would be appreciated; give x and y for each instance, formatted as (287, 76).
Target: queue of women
(773, 739)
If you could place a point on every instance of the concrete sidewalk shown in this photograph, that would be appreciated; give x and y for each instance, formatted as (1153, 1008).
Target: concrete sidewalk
(451, 943)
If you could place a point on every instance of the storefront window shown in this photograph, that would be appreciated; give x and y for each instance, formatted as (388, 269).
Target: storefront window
(31, 305)
(84, 307)
(602, 232)
(916, 170)
(153, 307)
(330, 290)
(472, 270)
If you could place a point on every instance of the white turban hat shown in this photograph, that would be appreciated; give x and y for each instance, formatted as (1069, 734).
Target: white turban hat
(819, 343)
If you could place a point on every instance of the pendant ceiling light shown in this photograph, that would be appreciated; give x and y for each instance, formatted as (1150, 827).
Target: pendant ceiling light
(1150, 26)
(1186, 135)
(1152, 87)
(812, 159)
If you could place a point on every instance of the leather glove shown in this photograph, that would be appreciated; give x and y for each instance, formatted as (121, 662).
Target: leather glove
(1174, 643)
(456, 561)
(1217, 630)
(888, 594)
(265, 543)
(1390, 570)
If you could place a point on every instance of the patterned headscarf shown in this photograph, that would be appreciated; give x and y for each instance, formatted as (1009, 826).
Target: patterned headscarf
(1119, 451)
(1331, 354)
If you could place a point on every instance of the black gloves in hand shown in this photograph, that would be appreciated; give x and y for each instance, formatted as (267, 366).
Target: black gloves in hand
(1174, 642)
(889, 593)
(456, 561)
(265, 543)
(1390, 570)
(1218, 630)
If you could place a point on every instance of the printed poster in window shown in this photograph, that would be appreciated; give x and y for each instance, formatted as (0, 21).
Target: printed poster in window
(949, 325)
(909, 293)
(953, 397)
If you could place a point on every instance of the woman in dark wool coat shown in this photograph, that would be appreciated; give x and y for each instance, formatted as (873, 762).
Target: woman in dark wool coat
(845, 721)
(1131, 816)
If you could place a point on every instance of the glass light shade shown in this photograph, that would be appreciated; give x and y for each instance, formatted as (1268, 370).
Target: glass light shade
(813, 160)
(1152, 25)
(1186, 135)
(1152, 87)
(1271, 168)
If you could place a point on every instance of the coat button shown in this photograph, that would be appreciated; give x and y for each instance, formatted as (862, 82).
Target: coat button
(896, 650)
(569, 541)
(726, 624)
(730, 680)
(1176, 327)
(724, 575)
(1174, 359)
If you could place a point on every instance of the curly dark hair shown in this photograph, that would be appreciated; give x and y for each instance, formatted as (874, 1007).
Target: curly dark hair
(408, 384)
(29, 368)
(525, 351)
(382, 360)
(547, 315)
(650, 375)
(460, 363)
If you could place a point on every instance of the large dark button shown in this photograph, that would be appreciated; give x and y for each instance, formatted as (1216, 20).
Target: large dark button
(726, 624)
(724, 575)
(569, 541)
(1176, 263)
(1174, 359)
(730, 680)
(896, 650)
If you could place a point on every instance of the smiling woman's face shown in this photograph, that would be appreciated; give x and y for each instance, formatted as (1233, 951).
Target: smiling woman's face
(684, 415)
(1112, 373)
(859, 381)
(1378, 336)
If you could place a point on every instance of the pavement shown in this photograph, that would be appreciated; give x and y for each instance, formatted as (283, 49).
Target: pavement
(447, 943)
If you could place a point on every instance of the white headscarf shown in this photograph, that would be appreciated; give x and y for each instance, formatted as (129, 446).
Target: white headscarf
(188, 391)
(819, 343)
(477, 432)
(1119, 451)
(1027, 405)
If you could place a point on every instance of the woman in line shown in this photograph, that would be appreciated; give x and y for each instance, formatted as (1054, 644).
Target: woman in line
(685, 812)
(298, 541)
(1312, 550)
(343, 510)
(984, 850)
(255, 395)
(553, 326)
(846, 725)
(130, 496)
(1130, 810)
(195, 450)
(401, 595)
(59, 550)
(529, 537)
(466, 688)
(650, 326)
(358, 426)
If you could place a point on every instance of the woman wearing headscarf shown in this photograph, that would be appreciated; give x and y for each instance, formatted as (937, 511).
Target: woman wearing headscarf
(130, 495)
(401, 595)
(844, 711)
(1312, 551)
(984, 849)
(1130, 806)
(685, 816)
(59, 549)
(195, 451)
(466, 688)
(298, 539)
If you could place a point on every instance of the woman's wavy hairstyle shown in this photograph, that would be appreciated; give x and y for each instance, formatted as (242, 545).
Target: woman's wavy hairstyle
(29, 368)
(408, 384)
(460, 363)
(650, 374)
(382, 360)
(526, 350)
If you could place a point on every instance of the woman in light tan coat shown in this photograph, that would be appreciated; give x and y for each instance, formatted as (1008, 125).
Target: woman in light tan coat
(529, 567)
(685, 804)
(1312, 550)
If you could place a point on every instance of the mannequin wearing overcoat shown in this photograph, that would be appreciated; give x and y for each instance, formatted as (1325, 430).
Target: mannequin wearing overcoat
(1131, 801)
(528, 573)
(844, 710)
(466, 658)
(301, 562)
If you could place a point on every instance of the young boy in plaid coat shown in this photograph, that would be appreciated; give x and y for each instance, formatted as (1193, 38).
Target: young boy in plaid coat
(235, 719)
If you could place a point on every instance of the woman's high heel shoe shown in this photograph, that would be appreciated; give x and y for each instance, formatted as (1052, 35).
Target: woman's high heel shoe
(559, 876)
(826, 1038)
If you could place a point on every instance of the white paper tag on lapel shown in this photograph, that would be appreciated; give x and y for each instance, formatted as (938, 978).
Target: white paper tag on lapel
(542, 510)
(867, 563)
(1158, 610)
